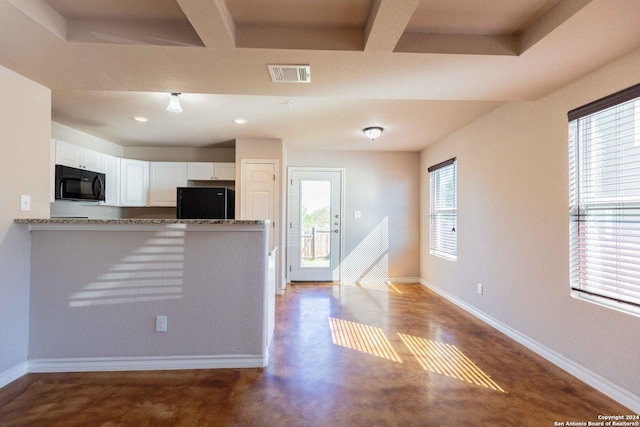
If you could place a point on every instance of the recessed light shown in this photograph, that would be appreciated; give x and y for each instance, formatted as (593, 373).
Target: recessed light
(240, 121)
(140, 119)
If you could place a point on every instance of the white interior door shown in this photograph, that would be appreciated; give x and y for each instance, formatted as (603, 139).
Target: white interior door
(315, 224)
(259, 195)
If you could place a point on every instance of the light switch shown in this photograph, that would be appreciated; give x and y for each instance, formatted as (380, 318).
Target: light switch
(25, 203)
(357, 214)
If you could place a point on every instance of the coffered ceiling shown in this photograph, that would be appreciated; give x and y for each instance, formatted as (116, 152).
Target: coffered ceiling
(419, 68)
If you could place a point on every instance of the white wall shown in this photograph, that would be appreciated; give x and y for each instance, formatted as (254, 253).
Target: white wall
(513, 229)
(24, 155)
(384, 187)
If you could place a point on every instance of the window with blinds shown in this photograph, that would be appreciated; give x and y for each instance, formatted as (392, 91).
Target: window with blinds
(444, 209)
(604, 199)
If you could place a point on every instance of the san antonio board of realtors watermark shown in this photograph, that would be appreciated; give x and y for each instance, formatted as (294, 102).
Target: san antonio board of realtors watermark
(604, 421)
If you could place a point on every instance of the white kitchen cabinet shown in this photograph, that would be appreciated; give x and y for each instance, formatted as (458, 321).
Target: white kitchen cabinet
(112, 185)
(52, 172)
(200, 171)
(134, 182)
(225, 171)
(164, 178)
(210, 171)
(78, 157)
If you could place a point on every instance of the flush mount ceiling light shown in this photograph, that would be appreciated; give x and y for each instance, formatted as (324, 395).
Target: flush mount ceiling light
(372, 132)
(240, 121)
(174, 104)
(140, 119)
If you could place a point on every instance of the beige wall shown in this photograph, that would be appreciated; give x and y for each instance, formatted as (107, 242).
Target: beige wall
(384, 187)
(82, 139)
(213, 298)
(513, 229)
(24, 152)
(180, 154)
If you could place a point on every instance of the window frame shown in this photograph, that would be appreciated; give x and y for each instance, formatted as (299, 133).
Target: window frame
(436, 214)
(593, 207)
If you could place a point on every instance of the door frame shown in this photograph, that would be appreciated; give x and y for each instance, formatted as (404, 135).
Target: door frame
(289, 255)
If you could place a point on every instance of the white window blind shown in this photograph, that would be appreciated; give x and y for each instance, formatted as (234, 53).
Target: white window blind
(444, 209)
(604, 187)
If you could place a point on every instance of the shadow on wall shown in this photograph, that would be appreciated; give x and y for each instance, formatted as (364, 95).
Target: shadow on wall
(368, 264)
(153, 272)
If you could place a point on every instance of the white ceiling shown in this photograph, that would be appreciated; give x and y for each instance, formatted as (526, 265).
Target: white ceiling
(419, 68)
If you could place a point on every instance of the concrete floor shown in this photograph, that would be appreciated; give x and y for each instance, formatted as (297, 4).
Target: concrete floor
(342, 356)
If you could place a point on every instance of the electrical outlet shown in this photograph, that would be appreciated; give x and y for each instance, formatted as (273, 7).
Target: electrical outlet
(25, 203)
(480, 288)
(161, 323)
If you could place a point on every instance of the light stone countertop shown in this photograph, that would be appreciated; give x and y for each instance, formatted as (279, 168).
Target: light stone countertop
(140, 221)
(141, 224)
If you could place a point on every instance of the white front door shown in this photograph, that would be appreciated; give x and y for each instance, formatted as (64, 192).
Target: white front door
(315, 224)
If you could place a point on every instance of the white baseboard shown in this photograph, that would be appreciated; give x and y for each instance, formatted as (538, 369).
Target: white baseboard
(619, 394)
(404, 280)
(9, 375)
(96, 364)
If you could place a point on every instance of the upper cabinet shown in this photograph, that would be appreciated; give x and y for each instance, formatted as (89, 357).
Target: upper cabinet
(164, 178)
(200, 171)
(208, 171)
(112, 186)
(225, 171)
(79, 157)
(138, 182)
(134, 182)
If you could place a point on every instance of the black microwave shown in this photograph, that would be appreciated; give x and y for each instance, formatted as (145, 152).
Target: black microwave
(79, 184)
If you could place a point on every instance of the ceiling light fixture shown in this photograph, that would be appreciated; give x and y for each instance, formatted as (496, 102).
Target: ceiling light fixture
(372, 132)
(174, 103)
(140, 119)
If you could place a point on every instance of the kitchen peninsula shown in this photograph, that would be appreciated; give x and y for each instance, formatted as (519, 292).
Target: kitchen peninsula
(102, 291)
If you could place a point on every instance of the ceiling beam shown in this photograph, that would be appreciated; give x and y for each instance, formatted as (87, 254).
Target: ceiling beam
(387, 22)
(212, 21)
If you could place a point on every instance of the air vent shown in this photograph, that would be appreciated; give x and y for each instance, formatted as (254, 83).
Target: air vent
(290, 73)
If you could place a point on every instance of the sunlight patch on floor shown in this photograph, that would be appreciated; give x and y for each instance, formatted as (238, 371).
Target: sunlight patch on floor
(364, 338)
(446, 359)
(374, 286)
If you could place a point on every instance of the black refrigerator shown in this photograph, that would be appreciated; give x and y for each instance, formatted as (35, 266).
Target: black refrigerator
(205, 203)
